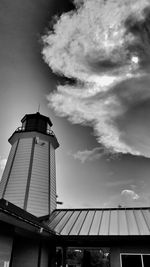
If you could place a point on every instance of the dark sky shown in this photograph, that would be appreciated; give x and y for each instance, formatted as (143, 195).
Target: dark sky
(84, 178)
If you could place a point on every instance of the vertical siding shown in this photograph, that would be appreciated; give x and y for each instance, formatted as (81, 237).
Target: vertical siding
(7, 168)
(5, 249)
(15, 191)
(44, 261)
(52, 179)
(42, 189)
(39, 184)
(25, 253)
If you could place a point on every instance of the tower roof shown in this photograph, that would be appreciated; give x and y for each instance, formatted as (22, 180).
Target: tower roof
(35, 123)
(37, 116)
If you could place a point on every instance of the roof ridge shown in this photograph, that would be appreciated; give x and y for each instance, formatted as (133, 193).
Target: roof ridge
(117, 208)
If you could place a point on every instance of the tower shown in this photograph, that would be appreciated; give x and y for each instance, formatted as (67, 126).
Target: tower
(29, 179)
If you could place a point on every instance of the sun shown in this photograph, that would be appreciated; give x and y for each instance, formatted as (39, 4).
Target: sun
(135, 59)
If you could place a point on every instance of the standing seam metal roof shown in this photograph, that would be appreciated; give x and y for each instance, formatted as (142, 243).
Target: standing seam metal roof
(101, 222)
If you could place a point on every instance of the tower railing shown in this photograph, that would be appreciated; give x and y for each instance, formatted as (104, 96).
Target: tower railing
(22, 129)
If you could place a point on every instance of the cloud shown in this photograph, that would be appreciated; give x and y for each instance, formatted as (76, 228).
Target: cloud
(2, 163)
(78, 3)
(134, 195)
(90, 155)
(118, 183)
(128, 198)
(130, 194)
(103, 48)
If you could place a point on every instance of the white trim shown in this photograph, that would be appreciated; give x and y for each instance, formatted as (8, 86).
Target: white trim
(142, 260)
(141, 254)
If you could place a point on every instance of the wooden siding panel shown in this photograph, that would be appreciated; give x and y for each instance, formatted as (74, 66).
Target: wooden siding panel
(44, 256)
(15, 190)
(5, 249)
(7, 168)
(52, 179)
(25, 253)
(39, 192)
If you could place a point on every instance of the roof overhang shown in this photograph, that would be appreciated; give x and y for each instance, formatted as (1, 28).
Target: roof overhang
(18, 218)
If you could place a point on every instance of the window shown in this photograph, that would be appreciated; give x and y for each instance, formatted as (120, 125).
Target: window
(84, 257)
(137, 260)
(4, 263)
(146, 260)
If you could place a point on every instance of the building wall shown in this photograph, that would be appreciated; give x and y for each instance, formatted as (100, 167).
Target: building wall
(17, 179)
(44, 258)
(52, 179)
(42, 193)
(7, 169)
(38, 201)
(5, 249)
(38, 176)
(29, 252)
(116, 251)
(25, 253)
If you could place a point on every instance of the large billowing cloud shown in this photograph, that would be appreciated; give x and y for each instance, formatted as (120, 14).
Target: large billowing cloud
(103, 47)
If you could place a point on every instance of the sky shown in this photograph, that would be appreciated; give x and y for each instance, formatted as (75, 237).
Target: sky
(87, 66)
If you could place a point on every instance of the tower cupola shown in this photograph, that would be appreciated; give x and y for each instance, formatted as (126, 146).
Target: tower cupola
(36, 122)
(29, 179)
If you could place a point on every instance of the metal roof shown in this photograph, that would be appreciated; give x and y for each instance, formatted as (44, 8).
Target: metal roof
(101, 222)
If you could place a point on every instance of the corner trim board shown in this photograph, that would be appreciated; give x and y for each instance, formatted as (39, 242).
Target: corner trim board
(29, 175)
(4, 191)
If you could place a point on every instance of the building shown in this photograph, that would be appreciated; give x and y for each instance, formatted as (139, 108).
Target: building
(34, 233)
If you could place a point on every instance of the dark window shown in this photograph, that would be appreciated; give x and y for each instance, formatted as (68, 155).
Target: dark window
(31, 124)
(41, 125)
(136, 260)
(59, 257)
(131, 260)
(83, 257)
(146, 260)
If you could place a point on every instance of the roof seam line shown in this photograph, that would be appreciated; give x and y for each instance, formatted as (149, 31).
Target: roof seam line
(136, 222)
(83, 222)
(100, 222)
(74, 222)
(66, 222)
(91, 222)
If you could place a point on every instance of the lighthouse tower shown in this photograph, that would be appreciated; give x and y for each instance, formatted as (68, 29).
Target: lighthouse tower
(29, 179)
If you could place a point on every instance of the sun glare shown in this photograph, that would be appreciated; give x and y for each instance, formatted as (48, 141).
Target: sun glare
(135, 59)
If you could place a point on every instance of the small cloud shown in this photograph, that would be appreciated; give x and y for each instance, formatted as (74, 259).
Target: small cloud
(127, 198)
(119, 183)
(130, 194)
(2, 163)
(90, 155)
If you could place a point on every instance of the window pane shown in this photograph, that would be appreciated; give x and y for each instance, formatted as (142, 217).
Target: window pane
(131, 260)
(146, 260)
(96, 257)
(59, 257)
(88, 257)
(74, 257)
